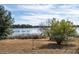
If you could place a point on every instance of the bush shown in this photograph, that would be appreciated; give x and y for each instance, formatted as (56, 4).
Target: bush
(59, 31)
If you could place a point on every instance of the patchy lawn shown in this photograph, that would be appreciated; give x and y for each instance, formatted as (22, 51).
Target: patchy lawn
(43, 46)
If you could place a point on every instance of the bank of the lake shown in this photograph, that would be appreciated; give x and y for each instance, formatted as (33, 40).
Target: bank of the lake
(43, 46)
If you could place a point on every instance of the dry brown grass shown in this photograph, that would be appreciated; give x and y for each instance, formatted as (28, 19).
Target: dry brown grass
(37, 46)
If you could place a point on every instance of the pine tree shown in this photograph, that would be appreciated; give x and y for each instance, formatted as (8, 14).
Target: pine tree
(6, 21)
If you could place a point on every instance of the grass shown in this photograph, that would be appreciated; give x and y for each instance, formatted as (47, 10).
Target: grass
(29, 36)
(38, 46)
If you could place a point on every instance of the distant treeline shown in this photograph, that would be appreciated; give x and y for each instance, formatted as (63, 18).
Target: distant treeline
(27, 26)
(76, 25)
(30, 26)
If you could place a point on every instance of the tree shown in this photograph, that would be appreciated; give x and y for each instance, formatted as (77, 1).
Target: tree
(60, 30)
(6, 21)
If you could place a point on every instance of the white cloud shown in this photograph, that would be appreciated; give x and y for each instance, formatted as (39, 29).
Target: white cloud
(40, 13)
(38, 19)
(34, 7)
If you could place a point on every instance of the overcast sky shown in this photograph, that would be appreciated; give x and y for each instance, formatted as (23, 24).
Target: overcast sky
(34, 14)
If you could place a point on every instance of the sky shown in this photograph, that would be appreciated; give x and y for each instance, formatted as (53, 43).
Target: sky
(37, 14)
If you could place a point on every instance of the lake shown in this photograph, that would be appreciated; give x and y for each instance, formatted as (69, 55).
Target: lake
(26, 31)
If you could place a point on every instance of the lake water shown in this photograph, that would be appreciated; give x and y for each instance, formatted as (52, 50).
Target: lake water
(77, 30)
(26, 31)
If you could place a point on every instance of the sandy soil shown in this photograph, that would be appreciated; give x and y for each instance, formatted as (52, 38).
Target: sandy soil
(33, 46)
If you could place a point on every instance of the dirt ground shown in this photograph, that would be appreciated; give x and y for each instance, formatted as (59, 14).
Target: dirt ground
(38, 46)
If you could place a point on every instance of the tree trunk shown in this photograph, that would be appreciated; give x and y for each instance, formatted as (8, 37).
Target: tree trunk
(59, 42)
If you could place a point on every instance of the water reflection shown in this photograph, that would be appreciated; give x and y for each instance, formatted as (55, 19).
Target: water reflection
(26, 31)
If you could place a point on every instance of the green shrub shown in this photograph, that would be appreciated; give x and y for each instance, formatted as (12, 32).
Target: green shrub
(59, 31)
